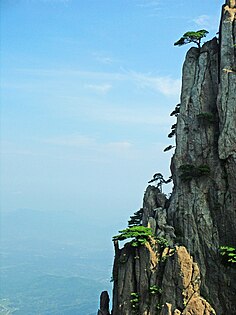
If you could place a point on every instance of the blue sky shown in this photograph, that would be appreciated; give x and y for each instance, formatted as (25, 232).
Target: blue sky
(87, 88)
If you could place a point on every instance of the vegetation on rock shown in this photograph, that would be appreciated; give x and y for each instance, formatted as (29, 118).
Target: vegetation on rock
(140, 235)
(154, 289)
(192, 37)
(189, 171)
(136, 219)
(173, 131)
(171, 134)
(175, 112)
(162, 242)
(197, 214)
(134, 301)
(169, 148)
(228, 254)
(159, 179)
(206, 118)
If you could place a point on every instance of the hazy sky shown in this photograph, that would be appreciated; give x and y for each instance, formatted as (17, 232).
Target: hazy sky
(86, 91)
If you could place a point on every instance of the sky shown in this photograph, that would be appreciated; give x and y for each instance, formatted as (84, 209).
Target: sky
(87, 87)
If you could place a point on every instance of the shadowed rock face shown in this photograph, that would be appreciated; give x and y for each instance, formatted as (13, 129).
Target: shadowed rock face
(203, 209)
(104, 304)
(201, 213)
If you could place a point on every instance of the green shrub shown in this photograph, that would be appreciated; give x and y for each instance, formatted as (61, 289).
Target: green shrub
(154, 289)
(140, 235)
(228, 254)
(158, 308)
(189, 171)
(134, 301)
(202, 170)
(206, 118)
(163, 243)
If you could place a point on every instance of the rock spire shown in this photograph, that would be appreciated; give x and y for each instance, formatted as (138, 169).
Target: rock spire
(180, 270)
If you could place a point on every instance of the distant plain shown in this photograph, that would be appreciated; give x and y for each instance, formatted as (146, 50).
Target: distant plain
(48, 265)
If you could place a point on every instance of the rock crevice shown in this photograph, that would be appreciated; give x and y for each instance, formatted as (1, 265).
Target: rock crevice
(180, 271)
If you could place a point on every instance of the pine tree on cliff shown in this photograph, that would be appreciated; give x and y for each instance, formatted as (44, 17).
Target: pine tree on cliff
(192, 37)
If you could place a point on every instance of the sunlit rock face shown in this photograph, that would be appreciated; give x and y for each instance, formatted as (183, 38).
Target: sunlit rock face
(155, 279)
(188, 276)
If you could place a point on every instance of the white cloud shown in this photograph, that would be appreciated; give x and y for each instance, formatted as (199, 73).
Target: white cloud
(15, 151)
(152, 7)
(99, 88)
(110, 76)
(90, 148)
(207, 21)
(120, 149)
(77, 140)
(104, 58)
(74, 140)
(119, 146)
(150, 4)
(123, 114)
(202, 20)
(75, 147)
(164, 85)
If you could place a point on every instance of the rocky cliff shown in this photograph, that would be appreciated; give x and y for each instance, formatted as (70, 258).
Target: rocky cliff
(180, 270)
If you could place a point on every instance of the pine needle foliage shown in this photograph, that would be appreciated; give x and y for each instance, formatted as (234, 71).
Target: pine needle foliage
(190, 171)
(136, 219)
(140, 235)
(192, 37)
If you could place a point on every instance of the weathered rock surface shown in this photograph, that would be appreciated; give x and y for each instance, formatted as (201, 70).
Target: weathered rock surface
(181, 286)
(188, 276)
(203, 208)
(227, 88)
(104, 304)
(163, 282)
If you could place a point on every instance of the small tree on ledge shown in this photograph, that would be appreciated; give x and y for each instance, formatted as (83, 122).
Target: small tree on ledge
(192, 37)
(140, 235)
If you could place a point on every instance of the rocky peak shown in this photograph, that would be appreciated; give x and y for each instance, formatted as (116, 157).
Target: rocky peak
(179, 270)
(227, 87)
(104, 304)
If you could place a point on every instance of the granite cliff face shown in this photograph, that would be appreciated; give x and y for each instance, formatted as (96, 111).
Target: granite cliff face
(188, 276)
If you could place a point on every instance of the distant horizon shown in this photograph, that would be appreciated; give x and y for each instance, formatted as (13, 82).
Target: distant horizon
(49, 263)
